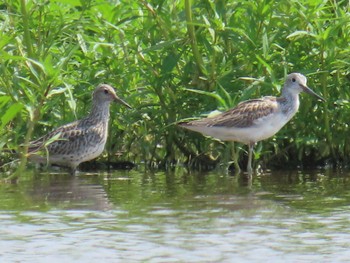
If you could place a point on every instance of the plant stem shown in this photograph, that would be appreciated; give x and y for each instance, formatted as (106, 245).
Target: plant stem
(31, 124)
(326, 116)
(24, 150)
(27, 38)
(192, 35)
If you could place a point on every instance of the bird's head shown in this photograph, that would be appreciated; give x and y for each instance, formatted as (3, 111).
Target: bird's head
(106, 93)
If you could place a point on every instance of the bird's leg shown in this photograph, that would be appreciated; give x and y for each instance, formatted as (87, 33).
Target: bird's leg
(235, 159)
(72, 171)
(250, 155)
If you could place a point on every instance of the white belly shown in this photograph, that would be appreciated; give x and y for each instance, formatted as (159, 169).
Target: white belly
(73, 159)
(261, 129)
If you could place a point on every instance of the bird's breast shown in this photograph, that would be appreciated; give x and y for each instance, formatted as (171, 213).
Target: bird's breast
(268, 126)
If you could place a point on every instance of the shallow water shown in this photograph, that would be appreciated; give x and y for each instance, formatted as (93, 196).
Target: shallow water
(176, 217)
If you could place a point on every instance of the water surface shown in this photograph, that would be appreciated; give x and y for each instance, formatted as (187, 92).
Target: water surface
(295, 216)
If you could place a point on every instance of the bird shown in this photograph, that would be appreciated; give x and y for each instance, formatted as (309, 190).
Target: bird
(81, 140)
(255, 120)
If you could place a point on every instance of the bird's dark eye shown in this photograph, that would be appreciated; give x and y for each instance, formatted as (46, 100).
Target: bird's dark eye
(105, 91)
(293, 79)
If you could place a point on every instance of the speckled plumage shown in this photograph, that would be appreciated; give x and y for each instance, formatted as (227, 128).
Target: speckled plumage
(255, 120)
(81, 140)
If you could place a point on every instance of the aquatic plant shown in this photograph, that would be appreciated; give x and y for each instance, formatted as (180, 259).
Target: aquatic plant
(173, 60)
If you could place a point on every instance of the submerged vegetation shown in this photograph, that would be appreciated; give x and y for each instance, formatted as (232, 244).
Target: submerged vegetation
(172, 60)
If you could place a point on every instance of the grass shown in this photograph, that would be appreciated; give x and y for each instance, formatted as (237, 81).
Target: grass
(173, 60)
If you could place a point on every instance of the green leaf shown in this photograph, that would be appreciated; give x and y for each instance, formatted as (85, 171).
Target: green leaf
(11, 113)
(69, 2)
(300, 33)
(169, 62)
(56, 91)
(265, 64)
(4, 100)
(54, 138)
(210, 94)
(161, 45)
(82, 43)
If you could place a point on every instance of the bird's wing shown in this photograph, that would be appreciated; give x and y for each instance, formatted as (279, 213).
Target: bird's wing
(243, 115)
(66, 132)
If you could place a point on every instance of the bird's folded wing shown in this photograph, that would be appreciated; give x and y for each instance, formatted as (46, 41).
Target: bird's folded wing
(67, 132)
(243, 115)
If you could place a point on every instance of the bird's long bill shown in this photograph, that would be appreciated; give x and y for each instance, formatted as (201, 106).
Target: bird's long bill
(119, 100)
(310, 91)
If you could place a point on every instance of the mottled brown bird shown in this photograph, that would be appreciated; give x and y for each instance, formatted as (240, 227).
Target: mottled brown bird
(81, 140)
(255, 120)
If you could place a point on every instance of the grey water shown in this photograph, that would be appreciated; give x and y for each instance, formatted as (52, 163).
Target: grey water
(178, 216)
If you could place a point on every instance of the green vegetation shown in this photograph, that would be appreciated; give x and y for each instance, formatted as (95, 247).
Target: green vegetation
(173, 60)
